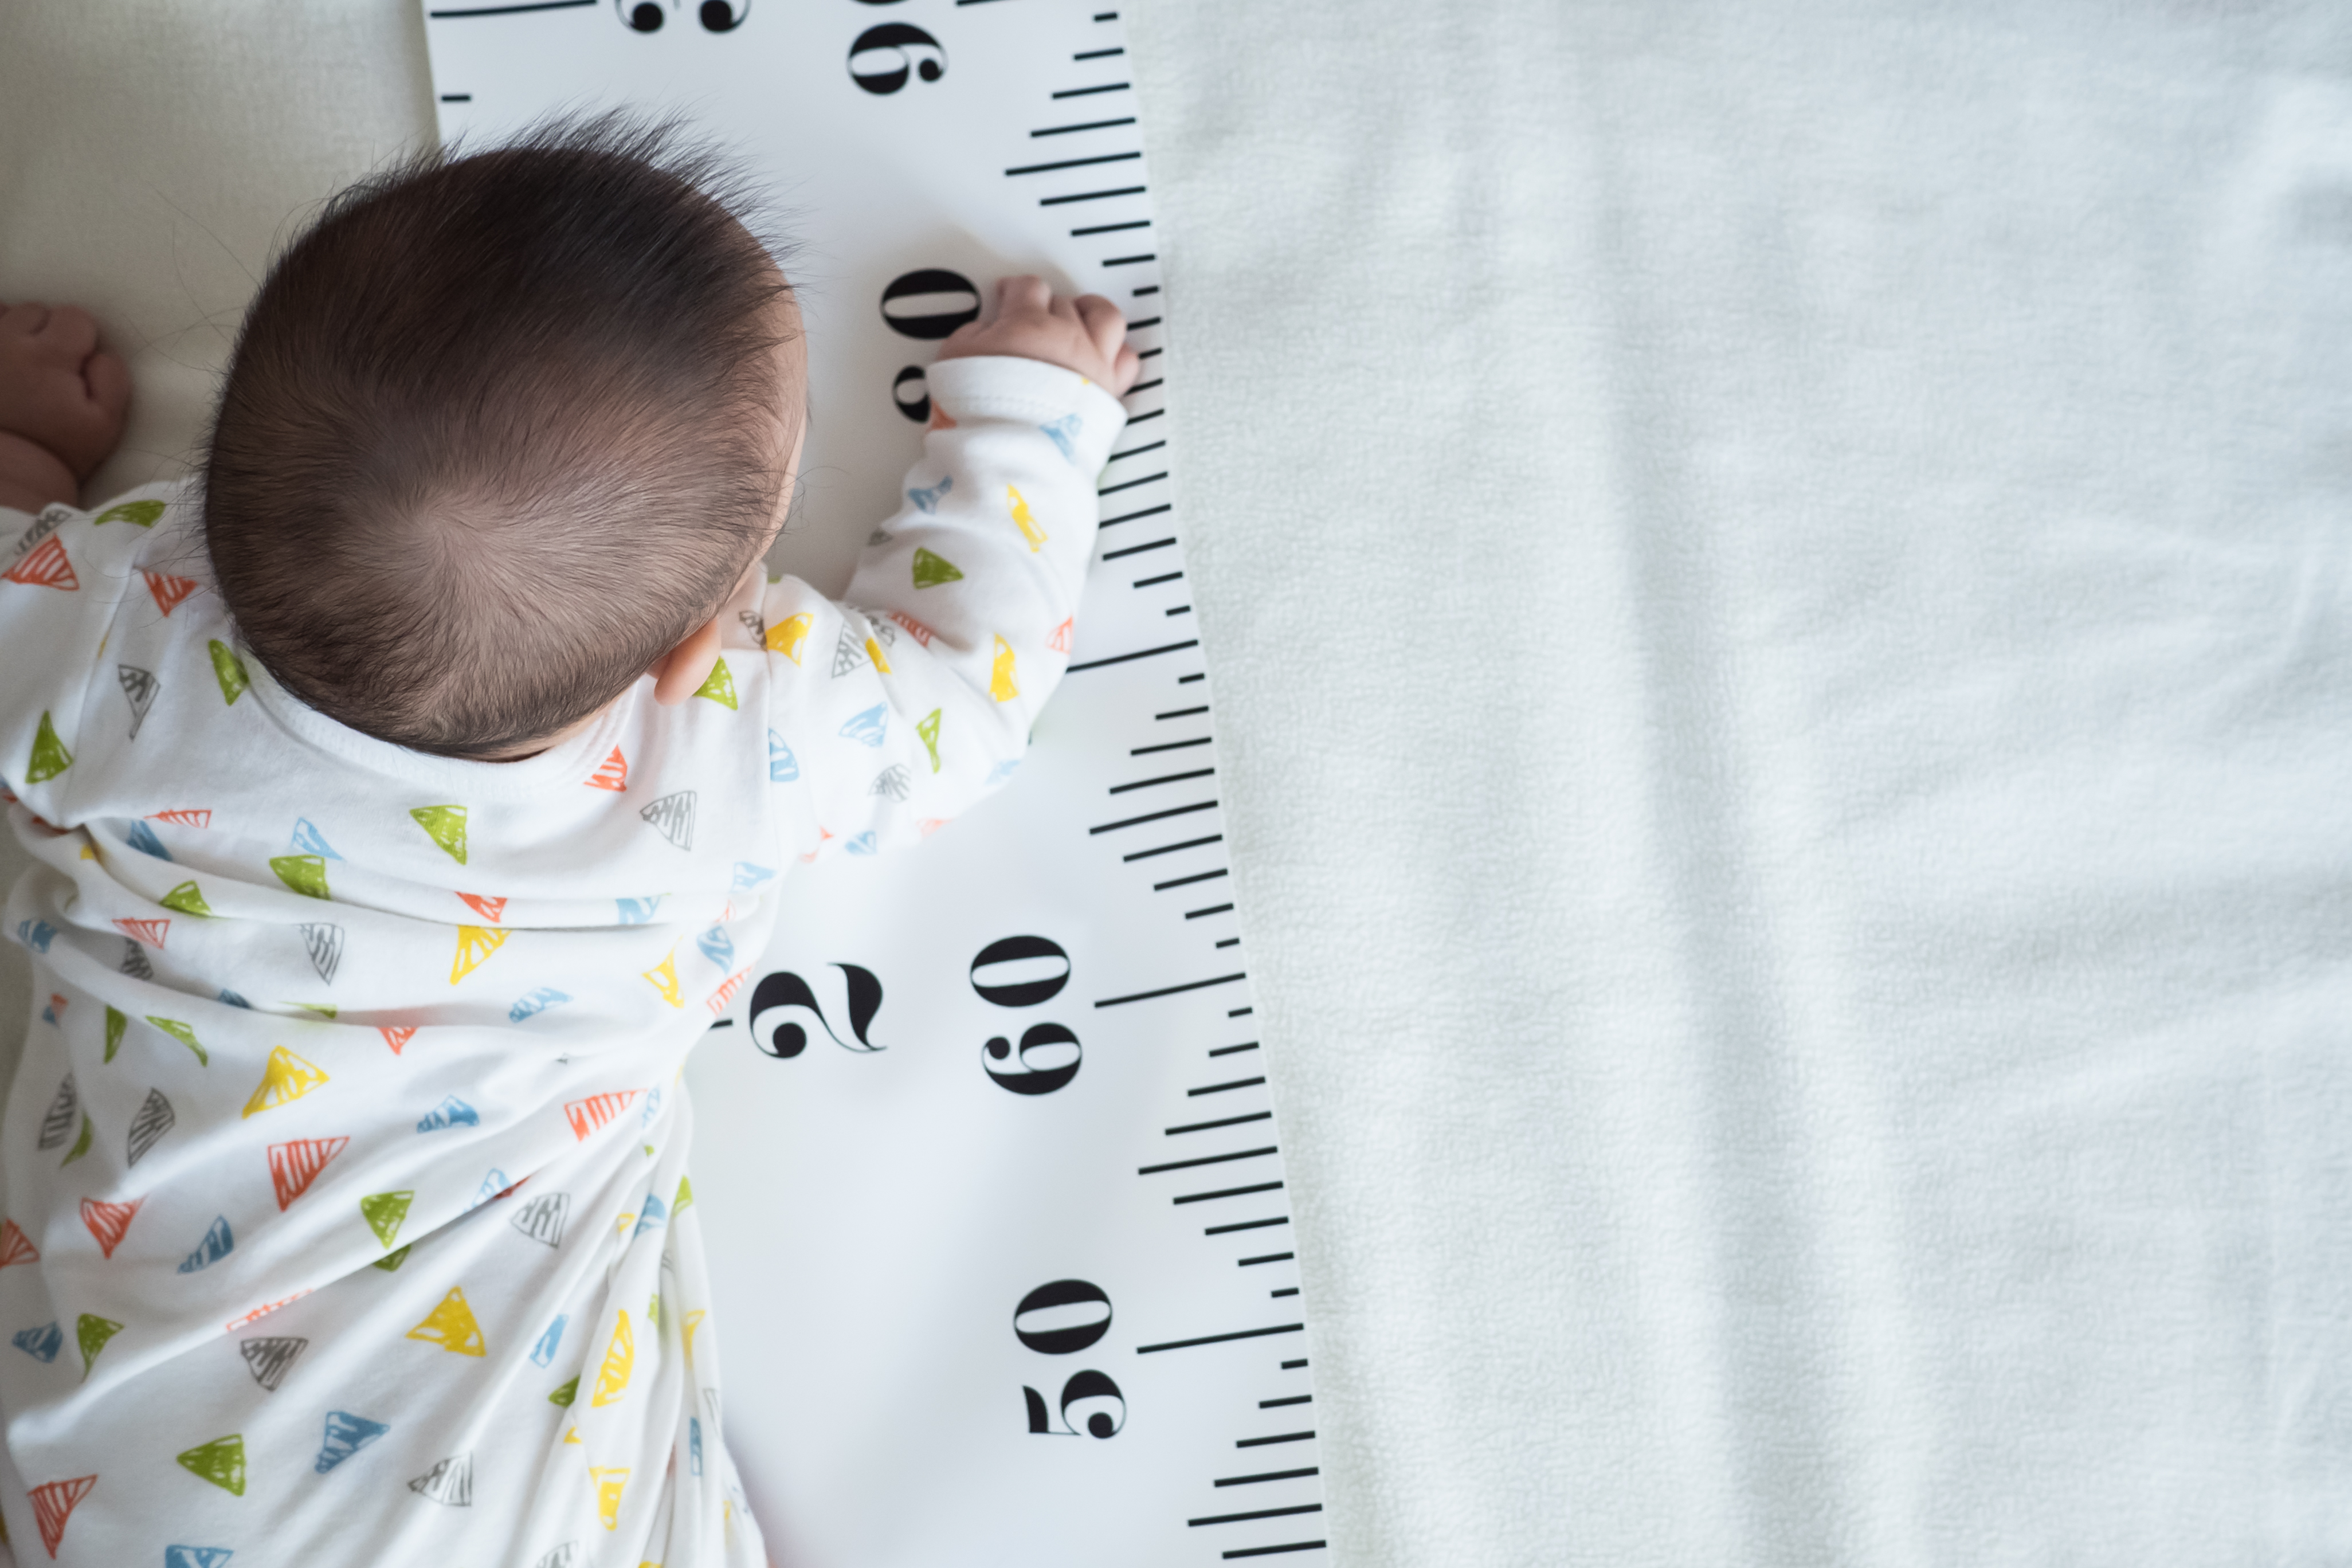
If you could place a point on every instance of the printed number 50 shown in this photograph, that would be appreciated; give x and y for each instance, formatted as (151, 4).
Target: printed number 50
(1064, 1317)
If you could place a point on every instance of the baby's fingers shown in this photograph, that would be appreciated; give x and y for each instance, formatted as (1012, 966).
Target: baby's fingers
(1024, 296)
(1103, 324)
(109, 380)
(1124, 368)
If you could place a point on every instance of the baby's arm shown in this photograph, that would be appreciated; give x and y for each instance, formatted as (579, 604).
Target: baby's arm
(62, 400)
(897, 709)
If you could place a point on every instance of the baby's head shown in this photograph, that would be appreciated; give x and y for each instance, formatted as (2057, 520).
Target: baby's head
(500, 431)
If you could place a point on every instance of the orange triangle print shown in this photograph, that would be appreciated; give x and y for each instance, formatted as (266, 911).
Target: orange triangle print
(45, 566)
(108, 1221)
(397, 1035)
(589, 1114)
(152, 932)
(195, 816)
(613, 775)
(296, 1163)
(1060, 641)
(168, 590)
(53, 1504)
(490, 908)
(15, 1247)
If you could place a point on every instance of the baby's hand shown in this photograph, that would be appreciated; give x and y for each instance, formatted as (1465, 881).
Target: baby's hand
(1087, 334)
(62, 400)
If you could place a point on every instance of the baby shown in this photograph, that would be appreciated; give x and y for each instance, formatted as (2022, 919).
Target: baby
(408, 794)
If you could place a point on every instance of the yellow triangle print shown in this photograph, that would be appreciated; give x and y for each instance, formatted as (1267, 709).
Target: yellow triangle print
(873, 652)
(787, 635)
(475, 944)
(1000, 676)
(664, 976)
(720, 686)
(1022, 518)
(286, 1077)
(451, 1326)
(693, 1321)
(572, 1436)
(609, 1479)
(620, 1359)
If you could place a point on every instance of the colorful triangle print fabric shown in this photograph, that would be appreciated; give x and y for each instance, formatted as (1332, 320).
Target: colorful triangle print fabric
(323, 1140)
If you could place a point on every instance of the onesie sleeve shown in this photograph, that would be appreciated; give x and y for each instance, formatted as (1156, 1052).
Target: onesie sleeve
(63, 574)
(896, 708)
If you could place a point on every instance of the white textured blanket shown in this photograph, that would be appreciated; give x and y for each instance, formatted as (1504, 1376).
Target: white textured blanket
(1776, 582)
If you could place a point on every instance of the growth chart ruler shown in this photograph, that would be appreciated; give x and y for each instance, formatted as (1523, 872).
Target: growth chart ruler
(1001, 1252)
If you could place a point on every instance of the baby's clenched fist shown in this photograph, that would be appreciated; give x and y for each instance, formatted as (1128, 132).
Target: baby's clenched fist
(1086, 334)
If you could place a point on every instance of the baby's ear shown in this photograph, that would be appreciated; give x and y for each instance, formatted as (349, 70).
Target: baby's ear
(679, 673)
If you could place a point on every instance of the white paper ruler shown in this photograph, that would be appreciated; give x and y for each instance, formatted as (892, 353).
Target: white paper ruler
(1001, 1257)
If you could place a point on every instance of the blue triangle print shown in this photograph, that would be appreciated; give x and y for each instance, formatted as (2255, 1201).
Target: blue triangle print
(141, 838)
(197, 1556)
(545, 1352)
(450, 1113)
(309, 840)
(40, 1344)
(346, 1435)
(217, 1244)
(783, 767)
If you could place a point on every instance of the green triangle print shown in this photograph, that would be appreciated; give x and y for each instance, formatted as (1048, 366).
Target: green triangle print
(91, 1333)
(930, 731)
(447, 823)
(229, 670)
(81, 1144)
(391, 1261)
(931, 570)
(187, 899)
(305, 874)
(383, 1213)
(184, 1034)
(50, 757)
(566, 1395)
(720, 686)
(220, 1461)
(116, 1022)
(142, 512)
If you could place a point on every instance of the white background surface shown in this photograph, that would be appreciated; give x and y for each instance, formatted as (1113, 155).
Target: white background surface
(1776, 579)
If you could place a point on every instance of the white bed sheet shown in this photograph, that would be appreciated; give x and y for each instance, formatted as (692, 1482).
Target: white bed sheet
(1776, 584)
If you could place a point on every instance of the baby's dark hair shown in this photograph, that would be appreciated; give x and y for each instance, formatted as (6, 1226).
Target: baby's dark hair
(500, 430)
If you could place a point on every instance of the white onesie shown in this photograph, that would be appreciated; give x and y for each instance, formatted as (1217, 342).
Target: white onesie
(347, 1214)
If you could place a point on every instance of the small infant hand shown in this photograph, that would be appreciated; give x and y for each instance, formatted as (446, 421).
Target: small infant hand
(57, 388)
(1086, 334)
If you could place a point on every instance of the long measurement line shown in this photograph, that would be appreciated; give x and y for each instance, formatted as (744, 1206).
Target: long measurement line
(1204, 1160)
(1257, 1513)
(1065, 163)
(1227, 1192)
(1089, 91)
(1164, 778)
(1222, 1338)
(1171, 848)
(1269, 1475)
(1221, 1087)
(1138, 549)
(1091, 196)
(1129, 484)
(1269, 1442)
(510, 10)
(1131, 516)
(1089, 125)
(1140, 653)
(1183, 882)
(1250, 1224)
(1174, 990)
(1221, 1121)
(1212, 910)
(1154, 816)
(1167, 746)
